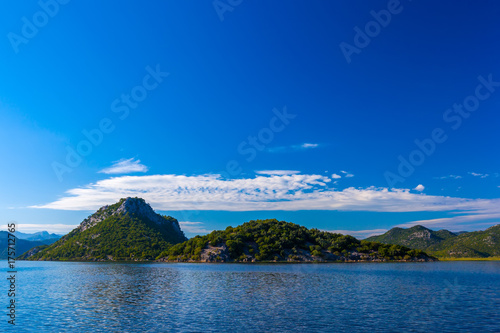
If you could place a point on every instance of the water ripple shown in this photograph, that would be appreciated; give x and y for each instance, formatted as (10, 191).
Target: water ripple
(119, 297)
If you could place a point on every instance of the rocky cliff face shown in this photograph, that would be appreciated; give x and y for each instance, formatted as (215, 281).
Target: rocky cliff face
(424, 234)
(102, 214)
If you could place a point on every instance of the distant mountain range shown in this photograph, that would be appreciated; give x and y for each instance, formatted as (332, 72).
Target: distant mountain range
(22, 245)
(444, 243)
(24, 242)
(126, 230)
(42, 236)
(131, 230)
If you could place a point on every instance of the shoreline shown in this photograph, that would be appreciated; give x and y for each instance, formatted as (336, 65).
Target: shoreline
(236, 262)
(271, 262)
(470, 259)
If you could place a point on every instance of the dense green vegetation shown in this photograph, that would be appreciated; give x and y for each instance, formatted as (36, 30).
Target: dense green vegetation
(131, 230)
(117, 237)
(477, 244)
(445, 244)
(417, 237)
(272, 240)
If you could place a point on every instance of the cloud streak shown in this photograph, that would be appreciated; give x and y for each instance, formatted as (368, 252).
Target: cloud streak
(309, 145)
(360, 234)
(197, 228)
(347, 174)
(458, 223)
(449, 177)
(292, 192)
(60, 229)
(481, 175)
(277, 172)
(292, 148)
(125, 166)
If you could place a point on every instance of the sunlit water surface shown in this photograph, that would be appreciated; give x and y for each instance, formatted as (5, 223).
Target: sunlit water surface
(390, 297)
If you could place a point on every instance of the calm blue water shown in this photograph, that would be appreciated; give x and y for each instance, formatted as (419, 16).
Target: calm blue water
(395, 297)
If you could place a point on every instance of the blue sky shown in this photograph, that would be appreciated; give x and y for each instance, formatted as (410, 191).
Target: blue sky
(337, 115)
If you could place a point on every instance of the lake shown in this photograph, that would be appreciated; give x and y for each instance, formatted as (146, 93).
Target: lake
(177, 297)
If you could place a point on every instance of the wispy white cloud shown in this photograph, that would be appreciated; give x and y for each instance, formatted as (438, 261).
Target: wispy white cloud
(347, 174)
(309, 145)
(470, 222)
(60, 229)
(125, 166)
(344, 174)
(419, 188)
(277, 172)
(299, 147)
(481, 175)
(457, 223)
(449, 177)
(360, 234)
(264, 193)
(197, 228)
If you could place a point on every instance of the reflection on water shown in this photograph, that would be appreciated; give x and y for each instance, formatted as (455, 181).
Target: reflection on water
(118, 297)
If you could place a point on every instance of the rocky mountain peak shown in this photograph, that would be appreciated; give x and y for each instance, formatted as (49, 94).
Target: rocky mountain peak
(132, 206)
(126, 230)
(136, 206)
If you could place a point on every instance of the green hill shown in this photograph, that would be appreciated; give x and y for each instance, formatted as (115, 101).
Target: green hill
(127, 230)
(272, 240)
(443, 243)
(480, 244)
(417, 237)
